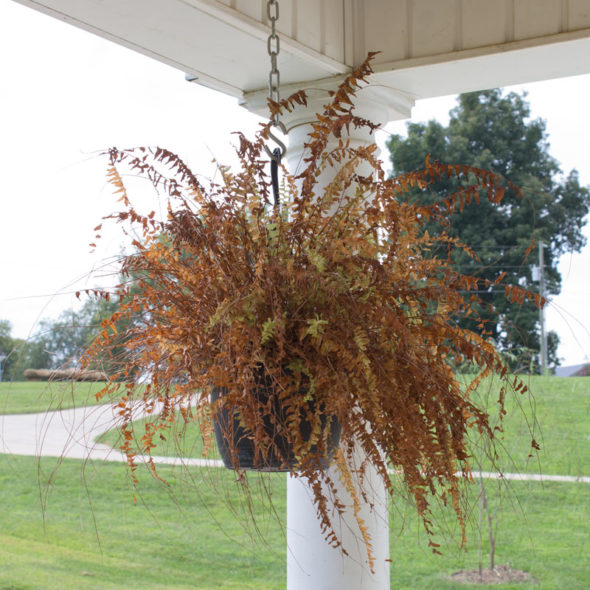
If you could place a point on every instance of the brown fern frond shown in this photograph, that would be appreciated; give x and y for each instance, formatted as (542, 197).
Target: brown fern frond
(336, 300)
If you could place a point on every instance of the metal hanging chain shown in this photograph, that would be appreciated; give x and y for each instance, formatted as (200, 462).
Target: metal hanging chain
(273, 46)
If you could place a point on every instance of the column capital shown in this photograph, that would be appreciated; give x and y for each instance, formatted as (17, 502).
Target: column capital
(375, 101)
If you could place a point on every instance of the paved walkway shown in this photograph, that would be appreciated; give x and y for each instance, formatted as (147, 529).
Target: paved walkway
(72, 434)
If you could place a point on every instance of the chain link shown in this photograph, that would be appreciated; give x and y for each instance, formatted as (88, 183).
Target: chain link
(273, 46)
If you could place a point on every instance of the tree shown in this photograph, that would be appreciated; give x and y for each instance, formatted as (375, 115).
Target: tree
(35, 355)
(64, 339)
(492, 130)
(9, 352)
(61, 342)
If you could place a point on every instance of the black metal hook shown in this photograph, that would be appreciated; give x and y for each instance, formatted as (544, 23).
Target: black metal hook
(274, 175)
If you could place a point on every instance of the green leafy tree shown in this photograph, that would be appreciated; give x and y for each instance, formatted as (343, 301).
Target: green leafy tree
(10, 352)
(493, 130)
(21, 354)
(65, 338)
(35, 355)
(61, 342)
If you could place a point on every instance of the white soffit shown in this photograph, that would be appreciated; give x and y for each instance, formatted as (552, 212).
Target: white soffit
(218, 45)
(429, 47)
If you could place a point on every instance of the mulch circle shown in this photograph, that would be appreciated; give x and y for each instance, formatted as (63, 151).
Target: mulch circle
(501, 574)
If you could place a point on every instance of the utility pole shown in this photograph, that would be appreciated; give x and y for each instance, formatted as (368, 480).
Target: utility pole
(542, 310)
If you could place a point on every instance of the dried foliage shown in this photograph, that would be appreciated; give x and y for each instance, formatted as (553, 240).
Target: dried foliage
(335, 296)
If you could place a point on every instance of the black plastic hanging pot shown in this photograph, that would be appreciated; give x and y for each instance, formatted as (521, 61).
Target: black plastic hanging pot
(236, 444)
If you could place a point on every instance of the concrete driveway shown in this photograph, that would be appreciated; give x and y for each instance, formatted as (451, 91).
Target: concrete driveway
(72, 434)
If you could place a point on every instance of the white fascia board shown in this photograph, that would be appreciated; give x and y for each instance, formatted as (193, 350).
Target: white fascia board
(555, 56)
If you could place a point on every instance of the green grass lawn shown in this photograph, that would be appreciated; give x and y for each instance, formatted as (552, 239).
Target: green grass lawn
(557, 415)
(543, 529)
(185, 535)
(40, 396)
(179, 440)
(92, 536)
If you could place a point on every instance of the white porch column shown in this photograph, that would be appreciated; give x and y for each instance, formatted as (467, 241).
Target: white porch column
(312, 564)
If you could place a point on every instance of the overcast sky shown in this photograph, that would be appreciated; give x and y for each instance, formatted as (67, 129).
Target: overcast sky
(66, 95)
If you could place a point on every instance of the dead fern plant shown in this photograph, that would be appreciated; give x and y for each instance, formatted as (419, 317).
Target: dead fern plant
(336, 296)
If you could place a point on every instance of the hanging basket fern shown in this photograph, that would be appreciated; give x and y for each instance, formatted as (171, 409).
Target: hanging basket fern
(238, 447)
(340, 287)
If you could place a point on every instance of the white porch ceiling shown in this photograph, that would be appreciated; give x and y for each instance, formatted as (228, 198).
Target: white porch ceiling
(428, 47)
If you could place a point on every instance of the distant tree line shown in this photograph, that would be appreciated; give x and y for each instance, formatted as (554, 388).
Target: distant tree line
(57, 343)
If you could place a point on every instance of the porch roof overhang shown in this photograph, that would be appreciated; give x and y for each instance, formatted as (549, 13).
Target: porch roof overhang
(427, 47)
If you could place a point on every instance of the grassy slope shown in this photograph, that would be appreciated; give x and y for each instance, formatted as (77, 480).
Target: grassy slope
(176, 537)
(184, 536)
(556, 415)
(39, 396)
(93, 537)
(562, 428)
(179, 440)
